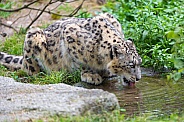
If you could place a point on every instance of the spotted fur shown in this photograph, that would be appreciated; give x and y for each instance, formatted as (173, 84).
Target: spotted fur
(96, 44)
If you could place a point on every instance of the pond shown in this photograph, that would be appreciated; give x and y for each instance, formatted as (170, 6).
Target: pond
(151, 94)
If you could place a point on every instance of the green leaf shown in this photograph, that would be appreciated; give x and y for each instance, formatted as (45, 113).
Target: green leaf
(123, 110)
(178, 64)
(144, 34)
(177, 76)
(169, 10)
(181, 70)
(172, 35)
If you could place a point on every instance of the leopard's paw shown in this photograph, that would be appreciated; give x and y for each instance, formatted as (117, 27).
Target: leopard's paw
(92, 78)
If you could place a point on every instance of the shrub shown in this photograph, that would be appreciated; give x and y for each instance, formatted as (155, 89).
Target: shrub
(147, 23)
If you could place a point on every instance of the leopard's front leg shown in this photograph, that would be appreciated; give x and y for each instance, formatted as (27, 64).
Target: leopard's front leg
(91, 77)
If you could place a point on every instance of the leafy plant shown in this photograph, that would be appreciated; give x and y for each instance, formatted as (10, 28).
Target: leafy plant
(177, 53)
(147, 22)
(84, 14)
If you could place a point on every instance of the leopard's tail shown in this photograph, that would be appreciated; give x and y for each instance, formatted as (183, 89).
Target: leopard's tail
(12, 62)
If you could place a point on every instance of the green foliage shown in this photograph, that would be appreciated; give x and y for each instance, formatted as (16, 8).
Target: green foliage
(3, 70)
(42, 78)
(57, 77)
(83, 14)
(177, 53)
(6, 5)
(13, 45)
(147, 22)
(52, 78)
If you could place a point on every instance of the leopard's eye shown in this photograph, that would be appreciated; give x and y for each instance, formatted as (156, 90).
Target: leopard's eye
(132, 66)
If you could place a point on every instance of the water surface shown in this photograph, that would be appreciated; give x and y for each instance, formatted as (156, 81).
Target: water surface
(150, 94)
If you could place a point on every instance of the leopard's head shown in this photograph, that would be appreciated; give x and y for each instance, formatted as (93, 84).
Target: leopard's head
(125, 62)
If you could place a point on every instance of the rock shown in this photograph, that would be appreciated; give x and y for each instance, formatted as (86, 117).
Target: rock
(20, 101)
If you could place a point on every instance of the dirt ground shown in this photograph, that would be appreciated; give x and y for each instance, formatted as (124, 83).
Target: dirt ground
(24, 17)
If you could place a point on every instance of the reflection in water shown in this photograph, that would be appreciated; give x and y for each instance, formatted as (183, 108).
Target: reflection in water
(161, 96)
(130, 99)
(149, 95)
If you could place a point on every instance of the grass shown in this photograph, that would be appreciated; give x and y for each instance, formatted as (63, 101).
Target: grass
(52, 78)
(5, 5)
(42, 78)
(116, 116)
(14, 44)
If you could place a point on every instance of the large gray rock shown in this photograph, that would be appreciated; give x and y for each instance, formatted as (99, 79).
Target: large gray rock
(20, 101)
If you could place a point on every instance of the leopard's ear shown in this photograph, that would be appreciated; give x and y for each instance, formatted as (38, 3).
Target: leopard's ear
(130, 39)
(130, 44)
(114, 50)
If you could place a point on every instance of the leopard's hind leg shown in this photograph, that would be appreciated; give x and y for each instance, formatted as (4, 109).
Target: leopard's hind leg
(34, 43)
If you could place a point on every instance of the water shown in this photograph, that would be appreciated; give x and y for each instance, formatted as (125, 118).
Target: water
(150, 94)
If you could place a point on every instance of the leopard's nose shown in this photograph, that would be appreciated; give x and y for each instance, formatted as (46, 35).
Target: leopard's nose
(137, 79)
